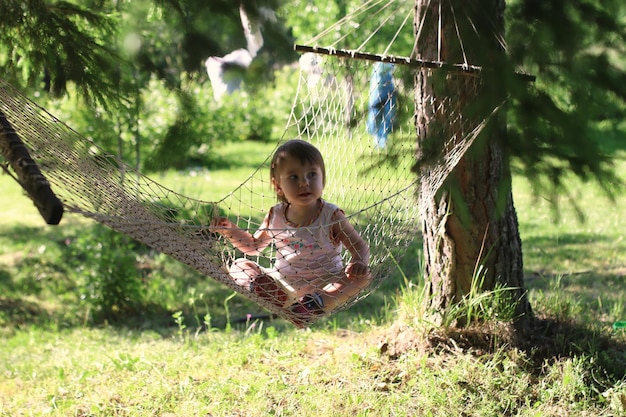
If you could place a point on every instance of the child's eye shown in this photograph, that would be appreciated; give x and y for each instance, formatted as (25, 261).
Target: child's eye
(293, 177)
(312, 174)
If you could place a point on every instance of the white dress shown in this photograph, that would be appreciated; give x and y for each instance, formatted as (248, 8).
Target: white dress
(306, 255)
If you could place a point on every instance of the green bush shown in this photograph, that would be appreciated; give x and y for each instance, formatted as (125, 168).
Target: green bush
(107, 278)
(176, 129)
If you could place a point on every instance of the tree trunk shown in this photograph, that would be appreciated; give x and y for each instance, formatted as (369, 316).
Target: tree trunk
(470, 227)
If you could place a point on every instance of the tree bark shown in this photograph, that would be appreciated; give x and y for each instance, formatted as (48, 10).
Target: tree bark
(469, 226)
(29, 176)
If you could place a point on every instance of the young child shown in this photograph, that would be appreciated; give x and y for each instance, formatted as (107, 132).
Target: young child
(308, 277)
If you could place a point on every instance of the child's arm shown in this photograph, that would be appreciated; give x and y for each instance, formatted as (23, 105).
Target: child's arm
(242, 239)
(354, 243)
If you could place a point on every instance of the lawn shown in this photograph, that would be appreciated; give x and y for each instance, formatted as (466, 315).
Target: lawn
(189, 355)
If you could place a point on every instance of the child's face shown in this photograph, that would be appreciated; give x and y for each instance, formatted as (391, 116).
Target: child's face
(299, 184)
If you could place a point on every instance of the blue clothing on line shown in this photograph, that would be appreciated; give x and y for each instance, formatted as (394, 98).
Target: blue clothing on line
(382, 103)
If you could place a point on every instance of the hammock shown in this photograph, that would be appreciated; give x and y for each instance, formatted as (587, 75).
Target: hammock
(371, 181)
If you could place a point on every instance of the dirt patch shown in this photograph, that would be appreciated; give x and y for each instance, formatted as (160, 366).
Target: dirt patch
(400, 339)
(545, 340)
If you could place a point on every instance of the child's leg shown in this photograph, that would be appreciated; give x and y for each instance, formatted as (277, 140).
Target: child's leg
(244, 271)
(252, 277)
(339, 292)
(326, 299)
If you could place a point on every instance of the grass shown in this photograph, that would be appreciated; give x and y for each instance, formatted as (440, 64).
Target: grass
(584, 262)
(190, 357)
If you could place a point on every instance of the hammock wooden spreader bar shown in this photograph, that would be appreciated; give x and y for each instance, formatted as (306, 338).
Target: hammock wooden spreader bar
(29, 175)
(400, 60)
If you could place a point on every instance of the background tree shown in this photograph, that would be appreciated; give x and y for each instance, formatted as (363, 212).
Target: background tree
(571, 120)
(48, 45)
(470, 230)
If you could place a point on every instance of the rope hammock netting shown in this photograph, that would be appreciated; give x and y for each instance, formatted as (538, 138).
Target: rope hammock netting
(359, 113)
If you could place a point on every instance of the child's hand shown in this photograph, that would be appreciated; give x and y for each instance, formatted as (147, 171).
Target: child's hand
(357, 269)
(220, 224)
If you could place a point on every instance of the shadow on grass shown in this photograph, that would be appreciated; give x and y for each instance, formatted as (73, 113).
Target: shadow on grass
(566, 239)
(560, 252)
(545, 341)
(17, 312)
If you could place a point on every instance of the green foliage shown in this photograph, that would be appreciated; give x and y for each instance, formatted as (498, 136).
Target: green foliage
(308, 19)
(570, 119)
(177, 129)
(147, 101)
(109, 282)
(172, 128)
(50, 44)
(194, 126)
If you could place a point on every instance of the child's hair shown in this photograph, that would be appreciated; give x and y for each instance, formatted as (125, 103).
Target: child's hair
(303, 151)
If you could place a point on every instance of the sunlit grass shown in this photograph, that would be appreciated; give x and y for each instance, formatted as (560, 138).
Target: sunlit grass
(108, 372)
(573, 265)
(240, 161)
